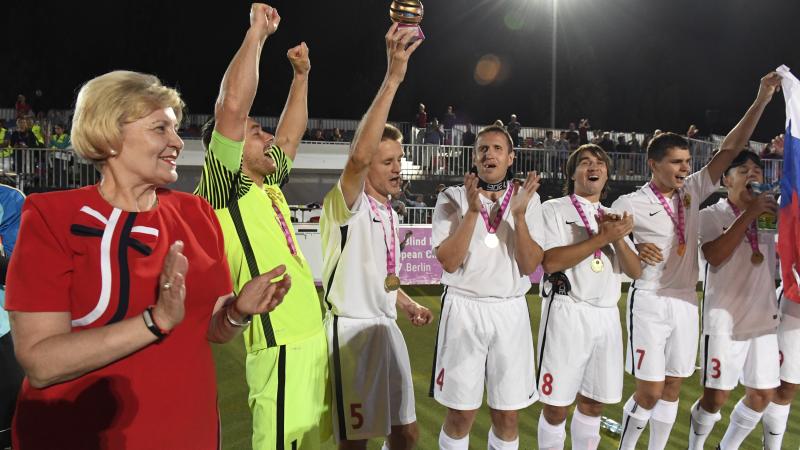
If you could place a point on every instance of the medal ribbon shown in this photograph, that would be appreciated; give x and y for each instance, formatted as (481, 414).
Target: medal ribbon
(391, 264)
(680, 221)
(492, 228)
(752, 231)
(282, 222)
(585, 220)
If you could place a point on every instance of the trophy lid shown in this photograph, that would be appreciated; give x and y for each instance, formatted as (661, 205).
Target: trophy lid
(406, 11)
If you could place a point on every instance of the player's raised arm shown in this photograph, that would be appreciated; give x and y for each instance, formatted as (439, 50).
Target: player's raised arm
(737, 138)
(240, 81)
(370, 130)
(294, 119)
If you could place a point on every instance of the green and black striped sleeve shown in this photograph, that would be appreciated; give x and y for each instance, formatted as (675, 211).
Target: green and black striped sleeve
(221, 169)
(283, 165)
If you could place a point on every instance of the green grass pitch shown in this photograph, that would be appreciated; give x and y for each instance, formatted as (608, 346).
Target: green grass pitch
(236, 420)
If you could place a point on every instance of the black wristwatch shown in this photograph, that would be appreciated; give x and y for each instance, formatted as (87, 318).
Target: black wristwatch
(151, 324)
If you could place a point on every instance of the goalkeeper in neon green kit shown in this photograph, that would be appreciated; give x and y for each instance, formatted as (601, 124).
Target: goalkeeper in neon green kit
(244, 168)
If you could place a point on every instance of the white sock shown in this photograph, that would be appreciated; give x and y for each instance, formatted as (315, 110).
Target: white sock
(774, 421)
(551, 437)
(495, 443)
(702, 424)
(661, 422)
(448, 443)
(585, 431)
(385, 446)
(743, 420)
(634, 419)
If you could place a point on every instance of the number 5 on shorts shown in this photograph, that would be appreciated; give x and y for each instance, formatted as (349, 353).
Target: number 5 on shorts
(356, 414)
(640, 352)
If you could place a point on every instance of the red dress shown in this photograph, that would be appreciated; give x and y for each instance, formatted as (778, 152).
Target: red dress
(79, 254)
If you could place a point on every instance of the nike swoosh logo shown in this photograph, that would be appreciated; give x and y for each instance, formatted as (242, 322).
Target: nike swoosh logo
(571, 223)
(640, 428)
(654, 213)
(724, 228)
(532, 394)
(774, 434)
(376, 220)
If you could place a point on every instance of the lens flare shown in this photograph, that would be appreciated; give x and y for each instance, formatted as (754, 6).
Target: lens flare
(487, 70)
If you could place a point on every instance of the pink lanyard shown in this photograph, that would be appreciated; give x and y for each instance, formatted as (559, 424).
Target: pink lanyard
(492, 228)
(680, 222)
(585, 220)
(391, 264)
(284, 227)
(752, 231)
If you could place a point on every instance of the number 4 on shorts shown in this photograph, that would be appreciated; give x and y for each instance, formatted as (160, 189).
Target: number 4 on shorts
(440, 379)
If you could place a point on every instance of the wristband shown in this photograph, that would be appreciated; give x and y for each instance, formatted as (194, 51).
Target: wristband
(151, 324)
(234, 323)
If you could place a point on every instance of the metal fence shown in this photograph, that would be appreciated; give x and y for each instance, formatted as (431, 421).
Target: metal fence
(430, 161)
(416, 215)
(44, 169)
(454, 136)
(34, 169)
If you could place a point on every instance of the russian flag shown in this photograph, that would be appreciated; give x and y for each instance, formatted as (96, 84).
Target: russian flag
(789, 215)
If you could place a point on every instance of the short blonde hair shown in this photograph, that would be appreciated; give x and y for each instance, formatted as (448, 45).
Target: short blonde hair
(392, 133)
(109, 101)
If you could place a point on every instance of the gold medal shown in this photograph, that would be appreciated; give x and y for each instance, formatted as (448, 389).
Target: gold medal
(687, 200)
(597, 265)
(757, 258)
(681, 249)
(391, 283)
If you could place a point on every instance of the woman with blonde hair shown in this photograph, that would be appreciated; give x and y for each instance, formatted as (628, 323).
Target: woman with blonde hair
(119, 287)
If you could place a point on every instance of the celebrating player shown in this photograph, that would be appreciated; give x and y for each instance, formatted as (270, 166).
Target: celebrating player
(371, 372)
(287, 353)
(485, 235)
(662, 304)
(580, 335)
(740, 311)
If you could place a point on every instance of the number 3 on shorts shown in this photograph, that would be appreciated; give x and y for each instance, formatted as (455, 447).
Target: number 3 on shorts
(715, 365)
(356, 415)
(440, 379)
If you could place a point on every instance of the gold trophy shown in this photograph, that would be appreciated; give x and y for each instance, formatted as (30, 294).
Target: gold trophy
(408, 14)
